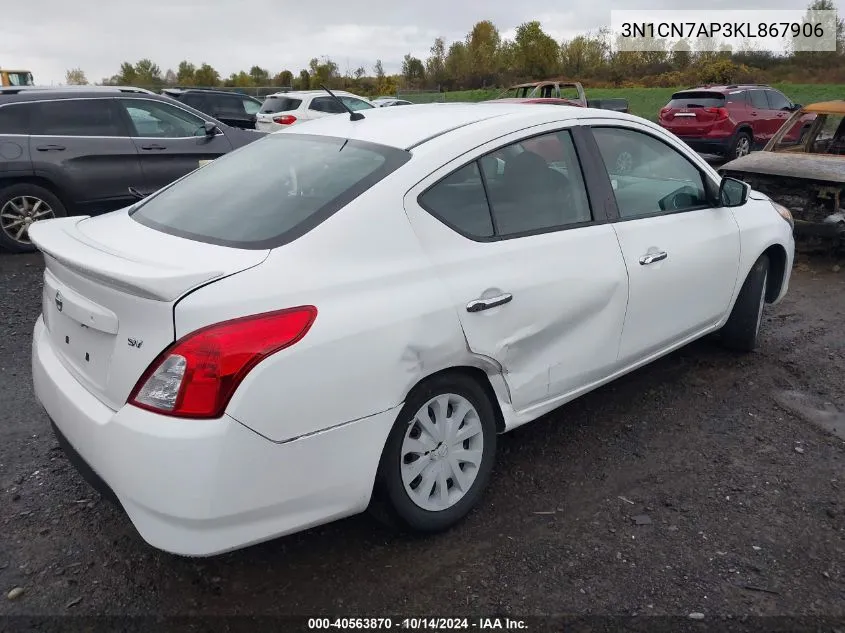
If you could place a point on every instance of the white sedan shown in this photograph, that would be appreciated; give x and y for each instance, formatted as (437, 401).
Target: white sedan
(251, 352)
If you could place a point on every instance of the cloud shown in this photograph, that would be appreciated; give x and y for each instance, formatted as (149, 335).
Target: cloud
(50, 36)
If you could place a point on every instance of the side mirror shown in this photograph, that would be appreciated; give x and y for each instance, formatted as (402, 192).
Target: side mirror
(796, 106)
(210, 128)
(733, 192)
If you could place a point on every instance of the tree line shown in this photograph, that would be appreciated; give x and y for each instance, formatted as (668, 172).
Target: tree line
(484, 59)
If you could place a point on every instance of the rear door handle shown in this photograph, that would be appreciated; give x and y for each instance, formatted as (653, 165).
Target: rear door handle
(645, 260)
(485, 304)
(51, 148)
(154, 146)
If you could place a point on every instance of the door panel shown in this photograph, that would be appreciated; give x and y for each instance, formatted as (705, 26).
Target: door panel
(557, 295)
(682, 254)
(83, 146)
(170, 141)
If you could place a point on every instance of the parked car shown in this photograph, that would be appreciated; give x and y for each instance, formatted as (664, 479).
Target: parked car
(356, 327)
(70, 152)
(232, 108)
(804, 169)
(728, 120)
(383, 102)
(571, 91)
(284, 109)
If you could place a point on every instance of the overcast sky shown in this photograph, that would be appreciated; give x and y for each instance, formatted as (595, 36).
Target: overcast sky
(50, 36)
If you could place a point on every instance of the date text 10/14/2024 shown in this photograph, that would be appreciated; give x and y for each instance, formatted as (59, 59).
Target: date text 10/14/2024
(418, 624)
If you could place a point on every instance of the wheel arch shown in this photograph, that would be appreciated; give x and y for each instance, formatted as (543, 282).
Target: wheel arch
(39, 181)
(479, 372)
(777, 270)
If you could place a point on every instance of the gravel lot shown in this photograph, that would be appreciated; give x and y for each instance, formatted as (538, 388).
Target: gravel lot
(704, 483)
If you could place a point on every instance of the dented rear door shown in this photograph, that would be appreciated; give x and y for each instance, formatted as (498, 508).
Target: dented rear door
(553, 302)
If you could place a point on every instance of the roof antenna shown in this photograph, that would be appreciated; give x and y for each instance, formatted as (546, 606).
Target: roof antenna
(353, 116)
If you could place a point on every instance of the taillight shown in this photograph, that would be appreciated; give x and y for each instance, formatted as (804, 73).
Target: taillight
(284, 119)
(721, 113)
(664, 111)
(197, 375)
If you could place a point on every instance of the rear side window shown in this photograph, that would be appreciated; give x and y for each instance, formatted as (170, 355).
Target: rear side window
(280, 104)
(14, 119)
(311, 178)
(76, 117)
(326, 104)
(741, 96)
(195, 101)
(697, 100)
(459, 201)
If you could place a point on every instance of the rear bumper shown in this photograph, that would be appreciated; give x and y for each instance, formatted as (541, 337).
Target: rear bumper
(200, 488)
(708, 145)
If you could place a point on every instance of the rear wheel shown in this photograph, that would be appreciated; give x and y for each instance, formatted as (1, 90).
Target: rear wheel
(438, 456)
(740, 146)
(742, 330)
(20, 206)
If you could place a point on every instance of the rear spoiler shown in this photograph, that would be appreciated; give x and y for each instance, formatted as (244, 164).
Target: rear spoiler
(61, 240)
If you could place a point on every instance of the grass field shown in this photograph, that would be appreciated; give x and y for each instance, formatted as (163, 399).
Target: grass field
(646, 102)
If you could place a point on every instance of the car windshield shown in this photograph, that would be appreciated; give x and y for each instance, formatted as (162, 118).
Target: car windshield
(231, 203)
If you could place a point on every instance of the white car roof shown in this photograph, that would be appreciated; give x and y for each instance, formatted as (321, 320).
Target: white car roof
(301, 94)
(405, 128)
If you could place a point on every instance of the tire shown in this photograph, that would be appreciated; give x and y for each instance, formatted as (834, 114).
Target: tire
(740, 146)
(742, 330)
(25, 203)
(393, 502)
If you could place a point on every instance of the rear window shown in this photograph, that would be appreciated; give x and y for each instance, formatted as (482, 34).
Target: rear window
(231, 203)
(697, 100)
(280, 104)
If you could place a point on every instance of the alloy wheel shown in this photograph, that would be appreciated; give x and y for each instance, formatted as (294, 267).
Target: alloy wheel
(18, 214)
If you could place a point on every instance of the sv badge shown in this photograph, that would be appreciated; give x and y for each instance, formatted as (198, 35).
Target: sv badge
(134, 342)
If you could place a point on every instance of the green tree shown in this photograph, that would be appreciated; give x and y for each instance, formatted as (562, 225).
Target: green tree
(76, 77)
(583, 55)
(126, 75)
(147, 73)
(536, 51)
(413, 70)
(284, 78)
(482, 45)
(435, 65)
(206, 76)
(186, 73)
(457, 64)
(323, 72)
(260, 76)
(304, 81)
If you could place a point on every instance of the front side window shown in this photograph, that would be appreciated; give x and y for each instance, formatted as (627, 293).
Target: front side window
(154, 119)
(831, 135)
(777, 101)
(657, 179)
(76, 117)
(232, 203)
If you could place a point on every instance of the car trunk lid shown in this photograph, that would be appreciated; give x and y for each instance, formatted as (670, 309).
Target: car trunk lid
(693, 113)
(110, 286)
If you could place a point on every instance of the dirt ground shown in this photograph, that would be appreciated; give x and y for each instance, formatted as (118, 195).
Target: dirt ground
(707, 483)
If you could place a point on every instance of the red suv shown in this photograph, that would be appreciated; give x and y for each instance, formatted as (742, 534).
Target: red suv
(729, 120)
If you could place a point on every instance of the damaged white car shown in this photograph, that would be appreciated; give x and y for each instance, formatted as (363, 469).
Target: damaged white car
(355, 326)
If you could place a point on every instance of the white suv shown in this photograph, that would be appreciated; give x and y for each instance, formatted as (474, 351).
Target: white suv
(283, 109)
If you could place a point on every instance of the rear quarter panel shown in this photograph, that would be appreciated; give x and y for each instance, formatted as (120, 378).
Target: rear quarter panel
(384, 321)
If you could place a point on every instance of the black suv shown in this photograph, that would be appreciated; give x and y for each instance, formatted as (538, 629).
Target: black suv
(89, 151)
(235, 109)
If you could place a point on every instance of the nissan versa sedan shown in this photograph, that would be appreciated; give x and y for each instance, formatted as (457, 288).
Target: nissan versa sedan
(355, 328)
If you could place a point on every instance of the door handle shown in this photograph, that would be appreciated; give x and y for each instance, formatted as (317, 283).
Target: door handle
(485, 304)
(51, 148)
(154, 146)
(645, 260)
